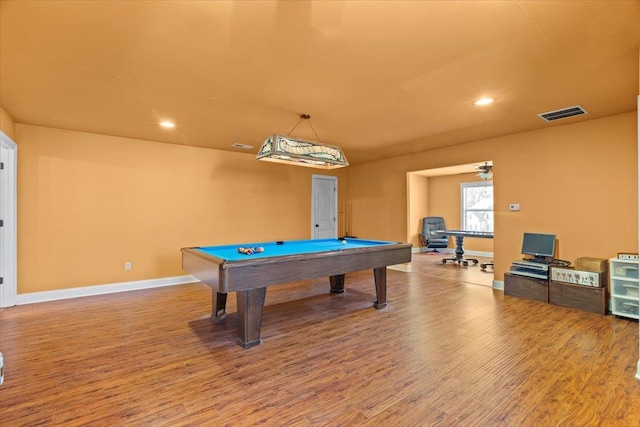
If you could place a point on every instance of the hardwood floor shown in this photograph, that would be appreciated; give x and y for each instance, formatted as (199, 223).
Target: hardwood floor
(448, 350)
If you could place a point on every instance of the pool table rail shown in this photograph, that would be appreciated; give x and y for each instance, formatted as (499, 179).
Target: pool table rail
(263, 272)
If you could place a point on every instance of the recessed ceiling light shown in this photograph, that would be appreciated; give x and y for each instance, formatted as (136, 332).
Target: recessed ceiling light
(484, 101)
(167, 124)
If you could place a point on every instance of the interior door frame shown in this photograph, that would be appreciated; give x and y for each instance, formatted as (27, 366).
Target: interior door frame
(638, 161)
(314, 201)
(8, 214)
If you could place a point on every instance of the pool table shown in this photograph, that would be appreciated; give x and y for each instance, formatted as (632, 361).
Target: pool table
(226, 270)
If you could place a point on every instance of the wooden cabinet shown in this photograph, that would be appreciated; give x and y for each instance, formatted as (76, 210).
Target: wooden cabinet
(526, 287)
(623, 279)
(579, 289)
(588, 292)
(587, 298)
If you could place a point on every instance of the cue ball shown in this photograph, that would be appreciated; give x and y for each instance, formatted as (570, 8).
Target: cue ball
(344, 242)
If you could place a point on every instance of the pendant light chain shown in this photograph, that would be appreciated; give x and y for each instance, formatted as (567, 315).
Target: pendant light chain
(308, 118)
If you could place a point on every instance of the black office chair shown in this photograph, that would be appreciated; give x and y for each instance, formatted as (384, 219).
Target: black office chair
(429, 238)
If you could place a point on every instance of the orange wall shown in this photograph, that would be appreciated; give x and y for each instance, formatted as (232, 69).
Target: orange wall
(417, 193)
(89, 203)
(7, 125)
(378, 195)
(579, 181)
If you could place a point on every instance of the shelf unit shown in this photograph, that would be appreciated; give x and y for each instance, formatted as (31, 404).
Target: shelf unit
(623, 280)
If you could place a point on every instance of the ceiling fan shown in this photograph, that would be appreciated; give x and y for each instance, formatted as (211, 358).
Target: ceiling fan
(486, 171)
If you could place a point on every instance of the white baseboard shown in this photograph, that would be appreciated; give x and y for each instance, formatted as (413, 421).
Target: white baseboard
(86, 291)
(406, 267)
(479, 253)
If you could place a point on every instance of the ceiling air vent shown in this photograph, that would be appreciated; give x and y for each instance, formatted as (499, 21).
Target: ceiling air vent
(243, 146)
(563, 114)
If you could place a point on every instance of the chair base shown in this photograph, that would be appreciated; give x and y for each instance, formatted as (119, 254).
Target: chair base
(484, 265)
(433, 251)
(463, 261)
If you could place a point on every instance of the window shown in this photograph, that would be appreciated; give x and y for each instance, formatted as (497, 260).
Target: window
(477, 206)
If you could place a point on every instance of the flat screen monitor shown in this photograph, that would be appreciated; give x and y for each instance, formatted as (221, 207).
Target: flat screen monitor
(539, 245)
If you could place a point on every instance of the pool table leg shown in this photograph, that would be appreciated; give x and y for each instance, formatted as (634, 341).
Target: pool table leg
(380, 277)
(337, 284)
(250, 305)
(220, 306)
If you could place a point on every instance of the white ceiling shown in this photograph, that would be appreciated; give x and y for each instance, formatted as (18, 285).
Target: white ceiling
(379, 78)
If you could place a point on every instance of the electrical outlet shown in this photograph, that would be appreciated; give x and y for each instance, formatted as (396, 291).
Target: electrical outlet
(127, 266)
(514, 207)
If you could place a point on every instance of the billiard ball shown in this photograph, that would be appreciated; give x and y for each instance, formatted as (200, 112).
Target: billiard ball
(344, 242)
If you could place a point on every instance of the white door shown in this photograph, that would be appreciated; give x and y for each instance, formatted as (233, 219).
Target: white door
(8, 233)
(324, 207)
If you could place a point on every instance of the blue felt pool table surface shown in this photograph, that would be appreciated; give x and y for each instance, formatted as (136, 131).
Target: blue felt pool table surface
(288, 247)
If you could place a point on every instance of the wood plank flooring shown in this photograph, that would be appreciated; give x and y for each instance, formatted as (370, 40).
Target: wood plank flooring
(448, 350)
